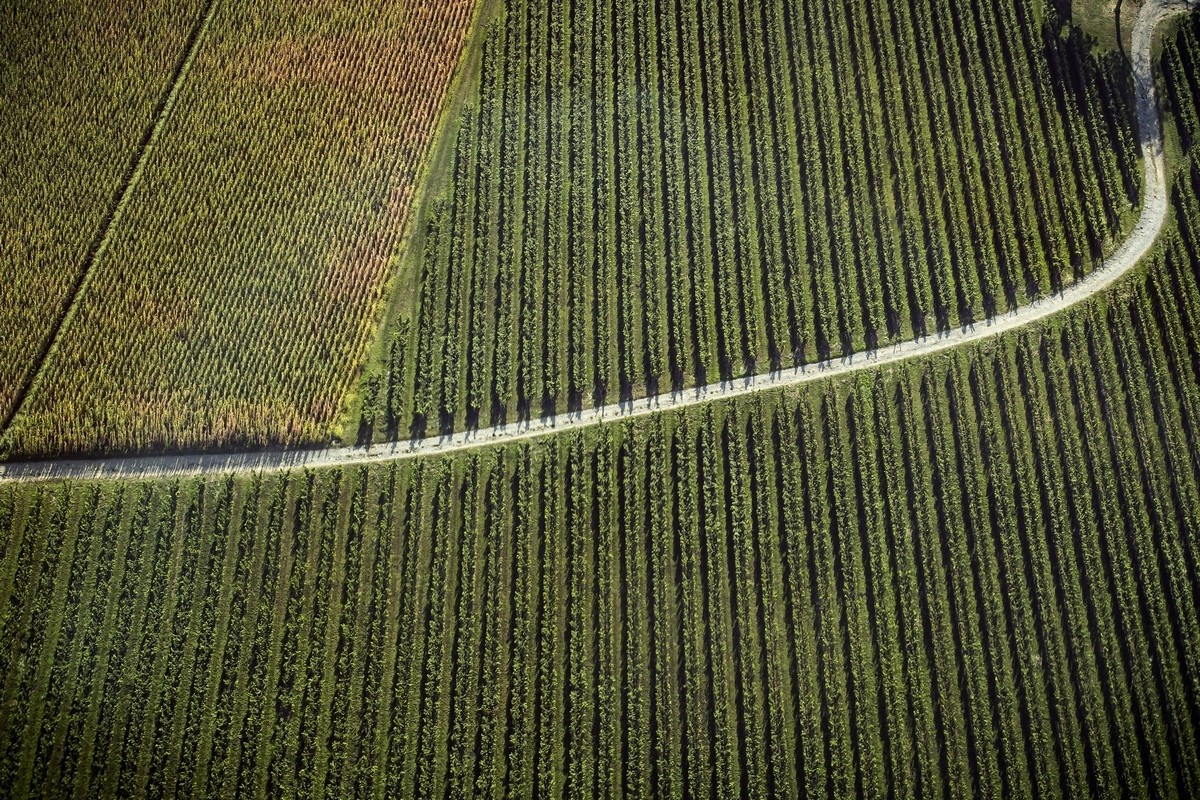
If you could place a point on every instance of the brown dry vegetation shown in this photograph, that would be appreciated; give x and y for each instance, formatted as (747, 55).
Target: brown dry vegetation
(272, 205)
(81, 81)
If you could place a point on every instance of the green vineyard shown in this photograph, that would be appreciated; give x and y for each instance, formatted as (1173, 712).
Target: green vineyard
(642, 197)
(968, 574)
(973, 576)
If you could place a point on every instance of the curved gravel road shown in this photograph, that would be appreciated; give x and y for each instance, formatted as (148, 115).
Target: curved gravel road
(1131, 251)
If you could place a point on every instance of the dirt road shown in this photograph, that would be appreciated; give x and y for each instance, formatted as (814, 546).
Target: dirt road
(1131, 251)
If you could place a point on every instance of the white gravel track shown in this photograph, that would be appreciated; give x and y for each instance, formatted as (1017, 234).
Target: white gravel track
(1132, 250)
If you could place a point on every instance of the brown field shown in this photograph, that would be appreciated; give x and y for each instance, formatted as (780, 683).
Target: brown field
(235, 299)
(71, 123)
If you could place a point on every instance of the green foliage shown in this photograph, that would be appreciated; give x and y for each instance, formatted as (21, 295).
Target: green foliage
(712, 187)
(971, 575)
(974, 574)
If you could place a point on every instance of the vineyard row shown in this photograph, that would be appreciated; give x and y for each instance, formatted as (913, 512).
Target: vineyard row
(642, 198)
(972, 576)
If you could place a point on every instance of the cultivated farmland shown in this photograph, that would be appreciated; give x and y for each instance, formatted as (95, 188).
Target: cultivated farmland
(969, 576)
(72, 121)
(236, 297)
(646, 196)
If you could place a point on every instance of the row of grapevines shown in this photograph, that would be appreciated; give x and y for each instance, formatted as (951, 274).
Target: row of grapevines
(703, 201)
(969, 575)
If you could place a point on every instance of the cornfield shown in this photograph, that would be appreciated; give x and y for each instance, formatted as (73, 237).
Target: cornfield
(237, 295)
(72, 120)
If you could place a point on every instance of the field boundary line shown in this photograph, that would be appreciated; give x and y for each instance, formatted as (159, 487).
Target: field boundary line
(99, 246)
(1136, 246)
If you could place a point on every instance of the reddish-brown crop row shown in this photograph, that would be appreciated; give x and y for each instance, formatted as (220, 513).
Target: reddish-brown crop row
(73, 120)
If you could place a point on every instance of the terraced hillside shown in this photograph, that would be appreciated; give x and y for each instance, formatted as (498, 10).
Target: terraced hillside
(644, 196)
